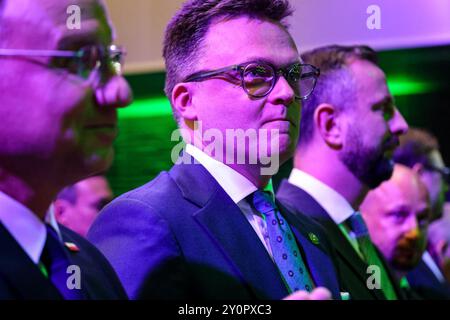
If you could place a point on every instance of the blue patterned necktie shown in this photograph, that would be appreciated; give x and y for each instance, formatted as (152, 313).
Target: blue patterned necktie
(285, 251)
(56, 262)
(370, 255)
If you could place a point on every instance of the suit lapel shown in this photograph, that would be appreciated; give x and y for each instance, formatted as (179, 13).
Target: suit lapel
(21, 273)
(305, 204)
(76, 259)
(228, 228)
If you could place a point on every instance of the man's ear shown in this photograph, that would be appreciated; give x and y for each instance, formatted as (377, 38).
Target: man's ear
(59, 208)
(328, 125)
(418, 168)
(182, 101)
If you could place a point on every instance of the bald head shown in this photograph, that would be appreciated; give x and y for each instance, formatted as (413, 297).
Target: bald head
(397, 214)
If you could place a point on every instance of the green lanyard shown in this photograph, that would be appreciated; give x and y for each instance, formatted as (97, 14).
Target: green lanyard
(43, 269)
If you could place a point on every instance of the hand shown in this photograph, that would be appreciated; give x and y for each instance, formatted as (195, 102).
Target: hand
(319, 293)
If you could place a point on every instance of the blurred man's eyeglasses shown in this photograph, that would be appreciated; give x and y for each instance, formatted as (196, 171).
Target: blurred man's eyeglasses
(82, 62)
(259, 78)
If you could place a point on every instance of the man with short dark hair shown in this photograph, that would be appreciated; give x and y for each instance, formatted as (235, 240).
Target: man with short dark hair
(210, 228)
(77, 205)
(348, 131)
(59, 90)
(419, 150)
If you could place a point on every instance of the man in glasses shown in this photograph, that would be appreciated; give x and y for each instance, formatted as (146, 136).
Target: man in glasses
(419, 150)
(349, 129)
(59, 91)
(210, 227)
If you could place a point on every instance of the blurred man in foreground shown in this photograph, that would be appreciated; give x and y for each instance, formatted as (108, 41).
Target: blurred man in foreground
(59, 90)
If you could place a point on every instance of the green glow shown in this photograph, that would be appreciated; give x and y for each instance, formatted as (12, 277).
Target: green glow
(401, 86)
(160, 106)
(144, 108)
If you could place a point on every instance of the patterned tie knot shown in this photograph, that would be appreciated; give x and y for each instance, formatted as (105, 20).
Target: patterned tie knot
(263, 202)
(285, 251)
(357, 225)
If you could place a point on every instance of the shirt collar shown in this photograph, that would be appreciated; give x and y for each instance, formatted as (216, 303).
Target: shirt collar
(26, 228)
(232, 182)
(334, 203)
(428, 260)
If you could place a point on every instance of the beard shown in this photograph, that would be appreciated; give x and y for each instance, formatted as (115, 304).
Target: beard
(407, 255)
(368, 164)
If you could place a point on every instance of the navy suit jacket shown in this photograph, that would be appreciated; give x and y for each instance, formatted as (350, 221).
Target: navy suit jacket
(424, 283)
(21, 279)
(182, 237)
(352, 269)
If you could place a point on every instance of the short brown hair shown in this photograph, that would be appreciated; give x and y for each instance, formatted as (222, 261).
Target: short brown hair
(335, 84)
(415, 147)
(186, 30)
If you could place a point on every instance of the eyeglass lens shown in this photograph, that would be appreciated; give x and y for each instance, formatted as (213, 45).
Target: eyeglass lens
(259, 79)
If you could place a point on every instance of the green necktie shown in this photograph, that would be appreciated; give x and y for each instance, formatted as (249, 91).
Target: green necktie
(359, 228)
(43, 269)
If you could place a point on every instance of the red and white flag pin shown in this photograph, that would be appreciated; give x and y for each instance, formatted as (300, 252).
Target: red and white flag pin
(71, 246)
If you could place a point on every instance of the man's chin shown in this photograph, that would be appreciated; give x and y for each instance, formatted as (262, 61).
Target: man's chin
(100, 161)
(406, 261)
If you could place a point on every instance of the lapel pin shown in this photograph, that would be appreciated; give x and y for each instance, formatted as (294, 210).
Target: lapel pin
(314, 239)
(72, 246)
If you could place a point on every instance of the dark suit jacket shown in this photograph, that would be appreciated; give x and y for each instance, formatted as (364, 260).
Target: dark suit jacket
(423, 281)
(182, 237)
(352, 269)
(21, 279)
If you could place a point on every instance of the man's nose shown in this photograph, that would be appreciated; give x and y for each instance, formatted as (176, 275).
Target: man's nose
(413, 231)
(398, 124)
(114, 93)
(282, 92)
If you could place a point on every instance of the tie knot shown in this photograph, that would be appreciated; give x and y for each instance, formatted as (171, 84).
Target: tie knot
(263, 202)
(357, 225)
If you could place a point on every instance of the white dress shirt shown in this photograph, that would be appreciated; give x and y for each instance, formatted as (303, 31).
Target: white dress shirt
(426, 257)
(25, 227)
(237, 187)
(337, 207)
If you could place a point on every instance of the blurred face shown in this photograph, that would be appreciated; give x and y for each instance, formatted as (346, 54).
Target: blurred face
(92, 195)
(222, 105)
(397, 214)
(435, 184)
(60, 121)
(372, 126)
(446, 262)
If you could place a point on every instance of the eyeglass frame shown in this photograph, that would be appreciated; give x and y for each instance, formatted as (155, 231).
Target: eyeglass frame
(78, 54)
(205, 75)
